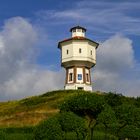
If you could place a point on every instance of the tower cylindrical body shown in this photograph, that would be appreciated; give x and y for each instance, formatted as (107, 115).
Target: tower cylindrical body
(78, 56)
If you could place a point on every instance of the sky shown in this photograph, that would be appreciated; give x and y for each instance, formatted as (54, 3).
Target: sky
(31, 29)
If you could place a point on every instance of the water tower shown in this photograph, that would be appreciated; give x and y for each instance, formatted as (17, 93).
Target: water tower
(78, 56)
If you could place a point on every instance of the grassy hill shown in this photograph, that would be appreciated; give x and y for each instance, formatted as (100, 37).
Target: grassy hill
(30, 111)
(18, 118)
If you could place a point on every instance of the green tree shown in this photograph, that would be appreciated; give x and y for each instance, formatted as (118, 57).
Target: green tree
(86, 105)
(137, 101)
(2, 135)
(130, 131)
(58, 126)
(70, 122)
(127, 115)
(114, 99)
(108, 118)
(49, 130)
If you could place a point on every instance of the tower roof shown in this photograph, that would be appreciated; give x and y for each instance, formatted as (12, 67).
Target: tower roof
(78, 27)
(77, 38)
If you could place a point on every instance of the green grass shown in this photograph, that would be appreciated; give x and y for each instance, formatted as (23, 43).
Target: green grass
(19, 136)
(32, 110)
(27, 134)
(19, 118)
(103, 136)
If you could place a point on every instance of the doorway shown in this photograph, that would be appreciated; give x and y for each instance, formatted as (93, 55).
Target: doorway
(80, 88)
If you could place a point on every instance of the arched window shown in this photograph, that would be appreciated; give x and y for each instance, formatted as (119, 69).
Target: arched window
(91, 52)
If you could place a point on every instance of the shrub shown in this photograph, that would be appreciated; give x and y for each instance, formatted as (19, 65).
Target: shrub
(60, 127)
(49, 130)
(70, 122)
(86, 105)
(2, 135)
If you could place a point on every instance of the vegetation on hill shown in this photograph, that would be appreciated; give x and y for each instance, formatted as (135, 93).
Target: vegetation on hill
(71, 115)
(32, 110)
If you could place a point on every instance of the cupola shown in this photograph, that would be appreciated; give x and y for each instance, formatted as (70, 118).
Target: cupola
(78, 31)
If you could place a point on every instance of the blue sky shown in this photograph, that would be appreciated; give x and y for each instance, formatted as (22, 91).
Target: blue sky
(38, 25)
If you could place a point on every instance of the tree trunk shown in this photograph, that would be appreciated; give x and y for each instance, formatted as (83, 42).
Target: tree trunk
(92, 133)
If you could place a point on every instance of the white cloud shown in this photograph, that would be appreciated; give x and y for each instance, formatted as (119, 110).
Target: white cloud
(98, 15)
(115, 69)
(30, 82)
(116, 54)
(20, 76)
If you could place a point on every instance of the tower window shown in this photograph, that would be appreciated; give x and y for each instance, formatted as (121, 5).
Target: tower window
(67, 51)
(91, 52)
(79, 76)
(87, 77)
(83, 31)
(70, 77)
(78, 30)
(74, 30)
(80, 50)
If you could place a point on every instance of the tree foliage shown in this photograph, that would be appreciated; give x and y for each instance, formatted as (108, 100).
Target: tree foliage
(70, 122)
(114, 111)
(85, 105)
(56, 127)
(114, 99)
(2, 135)
(49, 130)
(107, 117)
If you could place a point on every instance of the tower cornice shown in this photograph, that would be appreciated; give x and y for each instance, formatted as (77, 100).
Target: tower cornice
(77, 38)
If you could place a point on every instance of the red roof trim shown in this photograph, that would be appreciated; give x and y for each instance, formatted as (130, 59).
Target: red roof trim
(77, 38)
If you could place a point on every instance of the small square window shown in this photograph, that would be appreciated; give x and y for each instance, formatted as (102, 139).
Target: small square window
(79, 76)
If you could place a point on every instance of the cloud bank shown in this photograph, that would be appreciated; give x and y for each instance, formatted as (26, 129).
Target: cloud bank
(116, 67)
(20, 76)
(102, 17)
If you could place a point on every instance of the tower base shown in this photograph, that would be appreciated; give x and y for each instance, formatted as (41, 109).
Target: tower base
(78, 86)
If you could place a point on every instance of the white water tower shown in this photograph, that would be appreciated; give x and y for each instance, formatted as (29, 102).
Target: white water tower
(78, 56)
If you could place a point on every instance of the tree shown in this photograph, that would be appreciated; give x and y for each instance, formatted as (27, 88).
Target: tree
(56, 127)
(49, 130)
(137, 101)
(2, 135)
(107, 118)
(70, 122)
(126, 115)
(87, 105)
(114, 99)
(130, 131)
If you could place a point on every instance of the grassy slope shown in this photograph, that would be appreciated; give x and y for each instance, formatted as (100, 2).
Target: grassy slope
(31, 111)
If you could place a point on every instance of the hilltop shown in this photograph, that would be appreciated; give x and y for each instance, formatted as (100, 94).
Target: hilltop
(32, 110)
(108, 115)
